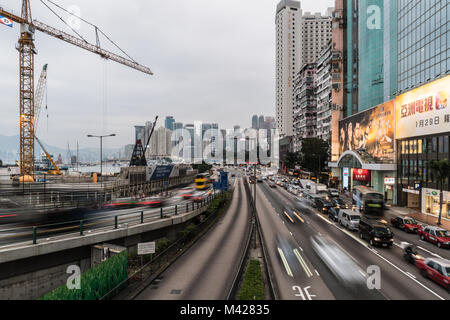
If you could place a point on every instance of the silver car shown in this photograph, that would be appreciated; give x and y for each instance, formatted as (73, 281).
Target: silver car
(349, 219)
(339, 262)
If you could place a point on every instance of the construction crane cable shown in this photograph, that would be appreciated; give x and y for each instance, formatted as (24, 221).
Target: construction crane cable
(97, 29)
(81, 37)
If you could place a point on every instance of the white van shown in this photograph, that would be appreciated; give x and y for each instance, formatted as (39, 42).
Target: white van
(349, 219)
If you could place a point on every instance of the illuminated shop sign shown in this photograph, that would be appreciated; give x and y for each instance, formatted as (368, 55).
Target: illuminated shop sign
(361, 175)
(423, 111)
(389, 181)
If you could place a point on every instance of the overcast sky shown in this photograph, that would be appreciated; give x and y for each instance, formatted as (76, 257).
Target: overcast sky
(213, 61)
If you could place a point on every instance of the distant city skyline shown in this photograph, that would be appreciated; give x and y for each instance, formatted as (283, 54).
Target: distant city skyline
(87, 95)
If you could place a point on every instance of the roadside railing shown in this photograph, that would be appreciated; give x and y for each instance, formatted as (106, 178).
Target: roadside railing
(268, 267)
(112, 222)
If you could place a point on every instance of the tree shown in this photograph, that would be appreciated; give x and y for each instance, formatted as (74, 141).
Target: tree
(314, 154)
(292, 160)
(1, 163)
(203, 167)
(441, 171)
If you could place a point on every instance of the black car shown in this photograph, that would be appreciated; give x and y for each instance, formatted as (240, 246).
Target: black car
(339, 203)
(333, 213)
(323, 205)
(376, 232)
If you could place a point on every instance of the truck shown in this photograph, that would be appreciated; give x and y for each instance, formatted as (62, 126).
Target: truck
(318, 189)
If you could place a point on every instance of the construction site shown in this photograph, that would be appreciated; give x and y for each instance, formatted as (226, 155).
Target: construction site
(38, 184)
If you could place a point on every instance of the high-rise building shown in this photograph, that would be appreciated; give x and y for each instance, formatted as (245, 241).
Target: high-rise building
(305, 105)
(371, 53)
(300, 40)
(169, 122)
(139, 133)
(316, 30)
(323, 94)
(261, 122)
(255, 122)
(338, 71)
(423, 42)
(288, 61)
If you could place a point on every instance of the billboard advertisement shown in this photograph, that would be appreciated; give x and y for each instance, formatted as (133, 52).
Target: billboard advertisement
(424, 110)
(372, 131)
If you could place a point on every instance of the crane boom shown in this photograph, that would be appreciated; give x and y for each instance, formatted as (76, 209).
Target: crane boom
(39, 96)
(49, 157)
(90, 47)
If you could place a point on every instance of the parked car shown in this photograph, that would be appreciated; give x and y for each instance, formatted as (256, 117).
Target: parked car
(323, 205)
(436, 235)
(333, 214)
(349, 219)
(436, 269)
(376, 232)
(339, 203)
(333, 193)
(406, 224)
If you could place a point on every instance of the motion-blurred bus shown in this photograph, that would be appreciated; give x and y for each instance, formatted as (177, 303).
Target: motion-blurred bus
(202, 181)
(368, 201)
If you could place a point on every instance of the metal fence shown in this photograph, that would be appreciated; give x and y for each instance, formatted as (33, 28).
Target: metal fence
(111, 222)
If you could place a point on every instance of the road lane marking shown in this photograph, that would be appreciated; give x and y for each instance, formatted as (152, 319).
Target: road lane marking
(411, 275)
(324, 219)
(303, 263)
(292, 220)
(301, 248)
(286, 265)
(299, 218)
(317, 272)
(432, 253)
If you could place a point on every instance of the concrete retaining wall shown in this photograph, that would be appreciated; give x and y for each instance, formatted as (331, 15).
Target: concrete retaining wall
(30, 271)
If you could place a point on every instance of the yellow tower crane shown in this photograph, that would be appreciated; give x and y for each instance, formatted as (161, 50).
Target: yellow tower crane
(27, 50)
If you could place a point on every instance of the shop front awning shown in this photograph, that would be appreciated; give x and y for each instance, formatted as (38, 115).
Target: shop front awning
(361, 160)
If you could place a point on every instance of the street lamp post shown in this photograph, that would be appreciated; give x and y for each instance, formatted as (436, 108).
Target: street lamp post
(101, 155)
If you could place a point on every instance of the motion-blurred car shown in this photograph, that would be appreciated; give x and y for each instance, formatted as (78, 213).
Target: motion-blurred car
(198, 197)
(406, 224)
(438, 236)
(291, 215)
(436, 269)
(272, 184)
(333, 193)
(338, 262)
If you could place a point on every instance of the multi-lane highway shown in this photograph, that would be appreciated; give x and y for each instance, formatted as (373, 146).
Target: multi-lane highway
(301, 274)
(207, 270)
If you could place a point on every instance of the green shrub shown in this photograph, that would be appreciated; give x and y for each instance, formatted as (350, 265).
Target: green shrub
(252, 287)
(162, 245)
(96, 282)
